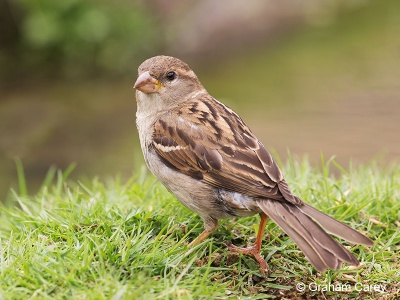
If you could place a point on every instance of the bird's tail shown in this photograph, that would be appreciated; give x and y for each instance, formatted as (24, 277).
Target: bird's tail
(305, 226)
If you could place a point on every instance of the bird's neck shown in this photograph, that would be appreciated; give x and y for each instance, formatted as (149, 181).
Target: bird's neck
(148, 105)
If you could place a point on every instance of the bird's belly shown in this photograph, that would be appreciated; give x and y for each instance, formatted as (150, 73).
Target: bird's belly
(207, 201)
(191, 192)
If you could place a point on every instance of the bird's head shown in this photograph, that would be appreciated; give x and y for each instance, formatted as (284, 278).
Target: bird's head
(168, 77)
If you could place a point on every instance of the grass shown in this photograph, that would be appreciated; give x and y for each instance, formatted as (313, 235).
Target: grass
(128, 240)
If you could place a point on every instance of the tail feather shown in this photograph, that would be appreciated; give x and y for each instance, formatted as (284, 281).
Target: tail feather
(335, 227)
(319, 247)
(309, 251)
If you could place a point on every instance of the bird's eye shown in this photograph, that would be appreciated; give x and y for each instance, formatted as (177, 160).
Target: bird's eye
(171, 75)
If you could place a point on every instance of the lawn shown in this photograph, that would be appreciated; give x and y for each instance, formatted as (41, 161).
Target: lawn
(128, 240)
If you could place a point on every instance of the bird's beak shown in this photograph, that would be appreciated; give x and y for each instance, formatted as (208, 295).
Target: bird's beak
(147, 83)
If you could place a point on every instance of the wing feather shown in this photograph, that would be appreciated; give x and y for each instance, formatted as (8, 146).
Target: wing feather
(208, 141)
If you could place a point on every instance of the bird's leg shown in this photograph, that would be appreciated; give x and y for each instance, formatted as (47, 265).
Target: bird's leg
(255, 249)
(210, 226)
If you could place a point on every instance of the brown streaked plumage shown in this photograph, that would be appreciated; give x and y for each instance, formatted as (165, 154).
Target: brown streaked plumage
(210, 160)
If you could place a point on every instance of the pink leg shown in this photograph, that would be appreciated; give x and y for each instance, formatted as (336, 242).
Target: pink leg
(210, 227)
(255, 249)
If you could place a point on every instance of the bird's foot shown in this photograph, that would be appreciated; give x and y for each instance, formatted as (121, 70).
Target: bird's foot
(252, 251)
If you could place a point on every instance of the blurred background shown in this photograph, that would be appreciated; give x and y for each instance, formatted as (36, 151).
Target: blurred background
(309, 76)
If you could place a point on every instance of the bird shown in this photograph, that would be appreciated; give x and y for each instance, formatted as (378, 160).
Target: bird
(206, 156)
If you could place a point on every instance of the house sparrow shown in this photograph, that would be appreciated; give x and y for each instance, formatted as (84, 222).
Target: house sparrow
(206, 156)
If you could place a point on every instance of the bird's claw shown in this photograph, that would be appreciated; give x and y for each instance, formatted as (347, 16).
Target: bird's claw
(252, 251)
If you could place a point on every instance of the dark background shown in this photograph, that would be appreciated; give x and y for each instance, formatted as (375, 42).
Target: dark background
(310, 76)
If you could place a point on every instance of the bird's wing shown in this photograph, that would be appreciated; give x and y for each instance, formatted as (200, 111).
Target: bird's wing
(208, 141)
